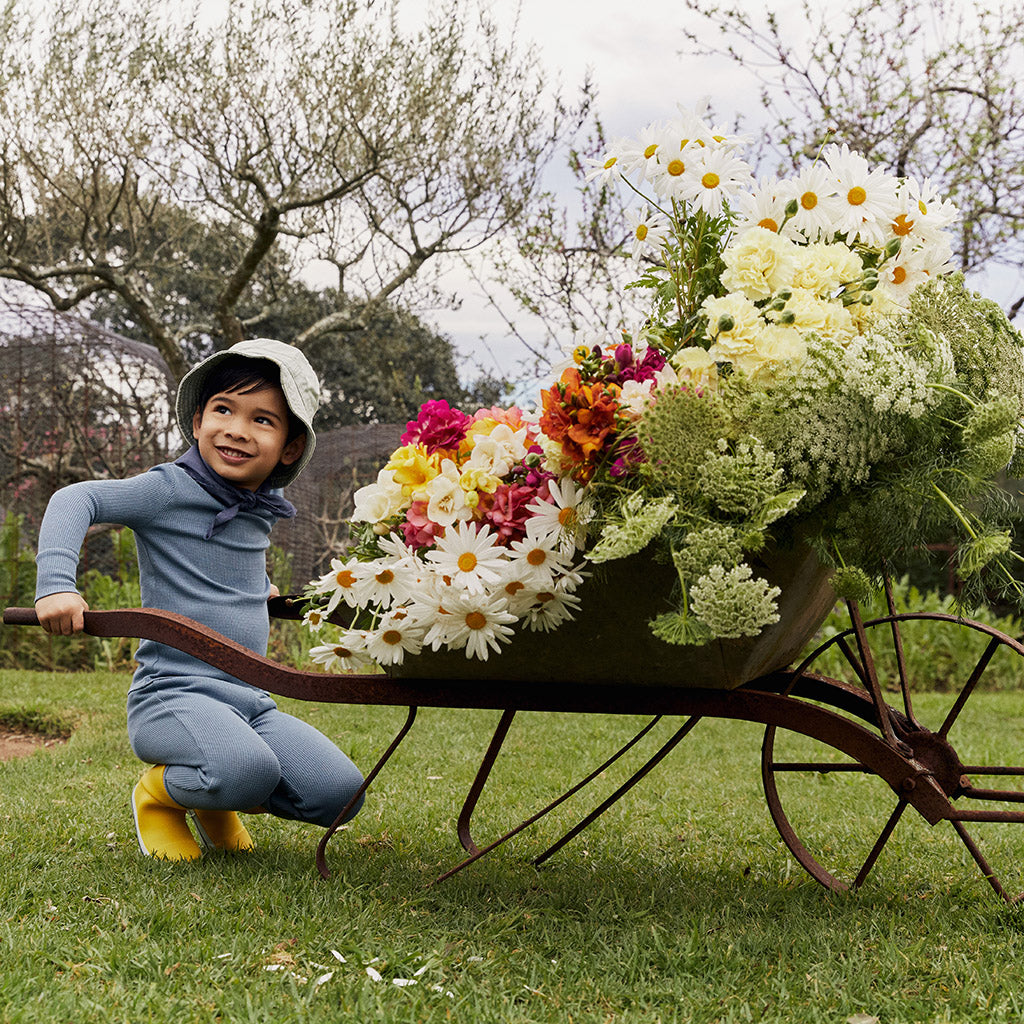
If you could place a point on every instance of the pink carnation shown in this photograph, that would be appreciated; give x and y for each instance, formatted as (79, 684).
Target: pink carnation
(418, 530)
(438, 427)
(508, 512)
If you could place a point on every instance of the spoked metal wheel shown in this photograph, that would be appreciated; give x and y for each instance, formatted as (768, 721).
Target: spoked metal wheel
(835, 814)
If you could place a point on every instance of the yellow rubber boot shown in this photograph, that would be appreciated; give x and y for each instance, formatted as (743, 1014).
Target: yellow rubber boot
(222, 830)
(160, 822)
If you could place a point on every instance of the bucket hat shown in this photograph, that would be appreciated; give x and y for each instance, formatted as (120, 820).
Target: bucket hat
(298, 382)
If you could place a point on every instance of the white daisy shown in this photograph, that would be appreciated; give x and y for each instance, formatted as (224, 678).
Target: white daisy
(641, 154)
(397, 634)
(765, 207)
(717, 175)
(565, 514)
(607, 167)
(387, 582)
(536, 562)
(649, 230)
(314, 619)
(817, 202)
(477, 622)
(344, 583)
(469, 557)
(550, 609)
(347, 653)
(867, 198)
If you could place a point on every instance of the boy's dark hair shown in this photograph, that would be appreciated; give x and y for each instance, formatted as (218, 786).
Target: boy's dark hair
(245, 375)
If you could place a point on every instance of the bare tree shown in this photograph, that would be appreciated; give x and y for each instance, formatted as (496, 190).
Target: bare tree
(296, 130)
(928, 88)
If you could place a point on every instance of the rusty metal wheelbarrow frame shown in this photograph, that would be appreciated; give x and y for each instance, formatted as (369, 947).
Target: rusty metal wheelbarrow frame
(920, 766)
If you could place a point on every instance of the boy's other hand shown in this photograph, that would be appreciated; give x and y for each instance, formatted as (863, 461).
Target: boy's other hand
(62, 613)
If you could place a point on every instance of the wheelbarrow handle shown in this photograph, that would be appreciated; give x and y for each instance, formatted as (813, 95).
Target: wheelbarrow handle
(20, 617)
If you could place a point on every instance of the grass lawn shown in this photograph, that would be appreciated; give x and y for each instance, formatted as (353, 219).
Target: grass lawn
(680, 904)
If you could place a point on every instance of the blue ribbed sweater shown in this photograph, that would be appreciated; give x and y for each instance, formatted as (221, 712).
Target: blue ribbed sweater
(221, 582)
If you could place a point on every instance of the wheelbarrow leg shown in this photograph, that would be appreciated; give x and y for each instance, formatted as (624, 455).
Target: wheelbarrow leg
(321, 850)
(475, 856)
(482, 773)
(655, 758)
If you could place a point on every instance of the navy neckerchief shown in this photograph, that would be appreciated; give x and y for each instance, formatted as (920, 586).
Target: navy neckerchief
(234, 499)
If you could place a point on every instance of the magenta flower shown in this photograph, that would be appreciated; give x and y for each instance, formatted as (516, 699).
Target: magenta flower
(438, 427)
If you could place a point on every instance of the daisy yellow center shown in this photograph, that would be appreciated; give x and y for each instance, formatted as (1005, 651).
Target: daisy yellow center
(901, 226)
(675, 168)
(610, 162)
(514, 587)
(641, 231)
(467, 561)
(392, 637)
(342, 652)
(579, 353)
(476, 620)
(809, 200)
(566, 516)
(711, 180)
(314, 618)
(768, 224)
(856, 196)
(346, 578)
(538, 556)
(385, 576)
(899, 275)
(545, 596)
(650, 150)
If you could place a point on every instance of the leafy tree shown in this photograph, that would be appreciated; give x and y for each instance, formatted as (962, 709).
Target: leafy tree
(294, 130)
(927, 88)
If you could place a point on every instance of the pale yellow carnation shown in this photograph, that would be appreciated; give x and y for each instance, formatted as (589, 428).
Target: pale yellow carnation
(697, 366)
(781, 350)
(759, 263)
(821, 268)
(810, 312)
(745, 317)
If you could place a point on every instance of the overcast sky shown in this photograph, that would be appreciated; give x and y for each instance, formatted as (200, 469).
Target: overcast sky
(632, 52)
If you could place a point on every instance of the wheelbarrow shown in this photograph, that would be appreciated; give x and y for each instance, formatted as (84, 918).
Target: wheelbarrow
(850, 727)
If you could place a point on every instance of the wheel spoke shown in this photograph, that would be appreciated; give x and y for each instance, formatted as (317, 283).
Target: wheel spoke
(880, 842)
(972, 682)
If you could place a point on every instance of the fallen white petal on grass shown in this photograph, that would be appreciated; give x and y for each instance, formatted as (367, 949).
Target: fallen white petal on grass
(862, 1018)
(443, 991)
(402, 982)
(273, 967)
(222, 956)
(324, 978)
(373, 974)
(337, 956)
(475, 959)
(422, 970)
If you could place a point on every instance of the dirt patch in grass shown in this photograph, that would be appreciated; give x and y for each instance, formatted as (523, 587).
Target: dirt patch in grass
(20, 744)
(24, 731)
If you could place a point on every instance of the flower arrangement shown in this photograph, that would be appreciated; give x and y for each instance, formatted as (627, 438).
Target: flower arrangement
(810, 365)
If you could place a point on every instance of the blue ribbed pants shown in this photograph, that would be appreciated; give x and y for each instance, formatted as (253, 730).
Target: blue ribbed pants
(228, 747)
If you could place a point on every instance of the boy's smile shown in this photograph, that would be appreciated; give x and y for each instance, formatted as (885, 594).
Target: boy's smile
(243, 435)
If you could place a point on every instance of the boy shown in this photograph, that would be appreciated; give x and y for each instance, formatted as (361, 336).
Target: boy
(217, 745)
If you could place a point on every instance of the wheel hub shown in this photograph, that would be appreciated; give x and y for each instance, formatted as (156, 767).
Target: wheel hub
(938, 757)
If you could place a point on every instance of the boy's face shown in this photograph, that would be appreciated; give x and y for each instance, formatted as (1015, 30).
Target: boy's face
(244, 435)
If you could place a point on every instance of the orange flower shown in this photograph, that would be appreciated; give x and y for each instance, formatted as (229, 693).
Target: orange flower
(581, 417)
